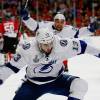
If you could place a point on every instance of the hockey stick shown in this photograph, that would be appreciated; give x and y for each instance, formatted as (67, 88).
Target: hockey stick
(26, 4)
(20, 19)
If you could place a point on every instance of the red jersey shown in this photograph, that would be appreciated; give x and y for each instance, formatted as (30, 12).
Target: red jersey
(9, 28)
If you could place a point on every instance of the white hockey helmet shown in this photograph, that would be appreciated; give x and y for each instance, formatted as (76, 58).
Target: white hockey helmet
(59, 16)
(44, 36)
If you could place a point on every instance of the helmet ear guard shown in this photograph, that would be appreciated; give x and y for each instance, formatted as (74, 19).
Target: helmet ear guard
(44, 36)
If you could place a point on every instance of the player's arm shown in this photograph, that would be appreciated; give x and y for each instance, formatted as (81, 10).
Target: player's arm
(76, 47)
(17, 62)
(89, 49)
(28, 21)
(7, 70)
(84, 47)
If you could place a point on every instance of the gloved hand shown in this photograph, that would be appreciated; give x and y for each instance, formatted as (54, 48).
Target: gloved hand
(93, 24)
(93, 19)
(92, 27)
(24, 14)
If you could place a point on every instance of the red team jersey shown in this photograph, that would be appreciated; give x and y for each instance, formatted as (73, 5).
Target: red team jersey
(9, 26)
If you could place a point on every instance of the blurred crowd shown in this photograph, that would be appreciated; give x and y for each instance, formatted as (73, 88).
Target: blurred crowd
(77, 12)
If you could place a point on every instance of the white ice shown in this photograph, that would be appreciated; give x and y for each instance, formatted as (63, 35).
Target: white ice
(85, 66)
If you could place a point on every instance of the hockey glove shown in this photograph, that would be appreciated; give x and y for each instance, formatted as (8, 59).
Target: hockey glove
(24, 14)
(93, 24)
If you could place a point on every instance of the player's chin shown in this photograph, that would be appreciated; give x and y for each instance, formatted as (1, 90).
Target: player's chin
(48, 51)
(59, 28)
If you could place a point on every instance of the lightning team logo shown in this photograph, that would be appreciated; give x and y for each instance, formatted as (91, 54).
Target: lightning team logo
(44, 68)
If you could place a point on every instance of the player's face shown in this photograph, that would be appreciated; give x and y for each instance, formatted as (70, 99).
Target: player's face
(46, 48)
(59, 24)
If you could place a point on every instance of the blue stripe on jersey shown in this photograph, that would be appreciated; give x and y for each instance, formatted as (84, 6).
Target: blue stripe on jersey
(36, 27)
(13, 68)
(76, 35)
(83, 46)
(43, 79)
(72, 98)
(1, 81)
(62, 69)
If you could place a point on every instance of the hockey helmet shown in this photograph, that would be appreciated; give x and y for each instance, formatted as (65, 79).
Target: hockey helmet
(44, 36)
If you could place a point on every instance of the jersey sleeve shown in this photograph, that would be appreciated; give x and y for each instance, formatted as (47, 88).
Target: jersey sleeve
(73, 47)
(31, 24)
(69, 47)
(18, 60)
(84, 31)
(88, 48)
(81, 47)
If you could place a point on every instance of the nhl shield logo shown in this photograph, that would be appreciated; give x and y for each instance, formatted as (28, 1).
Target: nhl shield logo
(63, 43)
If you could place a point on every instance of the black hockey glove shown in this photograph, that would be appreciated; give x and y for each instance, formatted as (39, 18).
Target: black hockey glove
(24, 13)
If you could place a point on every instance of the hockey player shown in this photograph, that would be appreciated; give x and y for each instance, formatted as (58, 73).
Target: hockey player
(9, 30)
(45, 57)
(58, 26)
(91, 30)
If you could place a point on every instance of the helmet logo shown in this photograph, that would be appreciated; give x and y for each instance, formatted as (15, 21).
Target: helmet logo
(47, 35)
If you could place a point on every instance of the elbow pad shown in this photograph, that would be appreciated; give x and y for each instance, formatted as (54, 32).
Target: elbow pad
(13, 68)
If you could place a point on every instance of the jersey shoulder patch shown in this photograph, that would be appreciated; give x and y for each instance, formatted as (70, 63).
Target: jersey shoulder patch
(75, 45)
(17, 57)
(63, 43)
(26, 46)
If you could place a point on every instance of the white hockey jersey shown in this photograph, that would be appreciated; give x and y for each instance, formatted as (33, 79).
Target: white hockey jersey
(43, 69)
(84, 32)
(68, 30)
